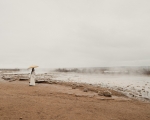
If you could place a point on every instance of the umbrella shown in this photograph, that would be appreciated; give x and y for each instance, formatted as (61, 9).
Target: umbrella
(33, 66)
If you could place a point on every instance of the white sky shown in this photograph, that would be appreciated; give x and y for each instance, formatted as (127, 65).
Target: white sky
(74, 33)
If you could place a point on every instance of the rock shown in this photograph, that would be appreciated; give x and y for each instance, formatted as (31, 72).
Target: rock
(50, 82)
(79, 95)
(139, 90)
(120, 89)
(91, 96)
(40, 81)
(6, 78)
(80, 85)
(107, 93)
(96, 91)
(23, 78)
(131, 94)
(85, 90)
(100, 93)
(74, 86)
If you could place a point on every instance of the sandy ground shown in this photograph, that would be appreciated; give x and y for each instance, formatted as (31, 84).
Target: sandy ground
(58, 102)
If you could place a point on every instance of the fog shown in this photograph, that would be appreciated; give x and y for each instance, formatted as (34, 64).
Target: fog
(74, 33)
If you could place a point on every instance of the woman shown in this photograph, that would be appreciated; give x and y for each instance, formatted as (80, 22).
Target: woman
(32, 78)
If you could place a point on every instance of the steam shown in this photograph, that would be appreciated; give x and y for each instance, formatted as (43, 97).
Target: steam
(109, 70)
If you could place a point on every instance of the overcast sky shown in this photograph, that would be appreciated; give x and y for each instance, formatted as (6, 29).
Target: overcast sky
(74, 33)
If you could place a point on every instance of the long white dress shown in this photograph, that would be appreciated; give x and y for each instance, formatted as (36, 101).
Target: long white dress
(32, 79)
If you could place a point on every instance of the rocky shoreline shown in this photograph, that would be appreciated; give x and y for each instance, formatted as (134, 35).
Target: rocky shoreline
(99, 89)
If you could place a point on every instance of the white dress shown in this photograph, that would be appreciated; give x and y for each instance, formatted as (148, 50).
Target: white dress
(32, 79)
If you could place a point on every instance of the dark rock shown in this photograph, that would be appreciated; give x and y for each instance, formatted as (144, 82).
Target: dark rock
(22, 79)
(131, 94)
(85, 90)
(74, 86)
(107, 93)
(40, 81)
(100, 93)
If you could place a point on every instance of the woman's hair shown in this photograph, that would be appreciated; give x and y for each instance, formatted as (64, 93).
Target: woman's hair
(32, 70)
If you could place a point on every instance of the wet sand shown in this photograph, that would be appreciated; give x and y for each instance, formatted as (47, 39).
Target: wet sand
(60, 102)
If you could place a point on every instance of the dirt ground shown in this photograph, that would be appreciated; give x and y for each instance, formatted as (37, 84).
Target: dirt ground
(18, 100)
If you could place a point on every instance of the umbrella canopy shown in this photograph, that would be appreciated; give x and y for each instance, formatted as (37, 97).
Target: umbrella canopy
(33, 66)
